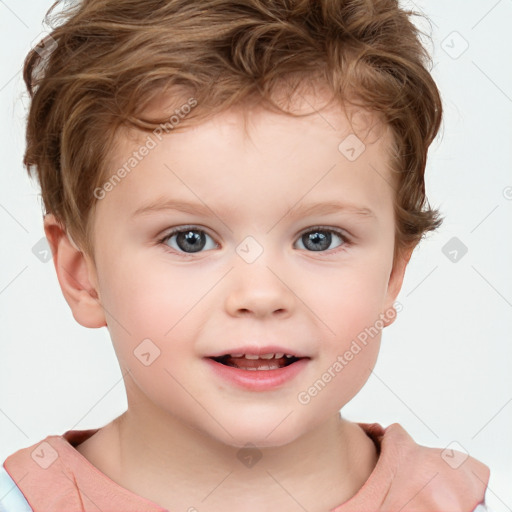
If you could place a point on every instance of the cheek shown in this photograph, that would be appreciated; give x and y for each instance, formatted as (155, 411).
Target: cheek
(150, 295)
(348, 300)
(349, 309)
(152, 320)
(340, 378)
(151, 301)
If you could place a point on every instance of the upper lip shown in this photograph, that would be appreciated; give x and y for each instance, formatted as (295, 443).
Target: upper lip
(257, 351)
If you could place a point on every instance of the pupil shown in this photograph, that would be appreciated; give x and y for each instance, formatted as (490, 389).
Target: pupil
(191, 241)
(319, 241)
(189, 236)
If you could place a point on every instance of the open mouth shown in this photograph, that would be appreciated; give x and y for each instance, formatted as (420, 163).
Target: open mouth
(257, 362)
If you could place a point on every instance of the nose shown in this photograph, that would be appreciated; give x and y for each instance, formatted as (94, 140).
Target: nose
(259, 290)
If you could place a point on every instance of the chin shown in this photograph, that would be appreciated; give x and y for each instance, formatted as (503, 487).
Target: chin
(262, 430)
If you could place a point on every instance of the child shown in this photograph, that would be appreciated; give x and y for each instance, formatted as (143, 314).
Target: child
(234, 189)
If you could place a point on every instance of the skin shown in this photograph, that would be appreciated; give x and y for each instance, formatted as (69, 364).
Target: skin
(177, 444)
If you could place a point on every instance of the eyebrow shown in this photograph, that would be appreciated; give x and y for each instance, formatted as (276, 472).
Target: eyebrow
(164, 204)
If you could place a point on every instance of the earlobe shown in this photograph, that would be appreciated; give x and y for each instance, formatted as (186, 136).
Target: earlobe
(76, 275)
(396, 279)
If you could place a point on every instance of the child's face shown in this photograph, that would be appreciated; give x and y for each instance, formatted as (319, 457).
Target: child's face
(247, 279)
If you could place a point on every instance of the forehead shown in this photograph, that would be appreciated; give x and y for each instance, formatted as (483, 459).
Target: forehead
(251, 154)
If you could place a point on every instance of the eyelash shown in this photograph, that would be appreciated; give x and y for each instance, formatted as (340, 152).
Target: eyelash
(346, 242)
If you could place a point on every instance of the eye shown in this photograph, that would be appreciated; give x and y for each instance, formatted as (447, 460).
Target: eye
(320, 239)
(191, 239)
(188, 240)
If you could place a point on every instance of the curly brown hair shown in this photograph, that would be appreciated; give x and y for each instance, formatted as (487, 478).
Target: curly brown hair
(105, 61)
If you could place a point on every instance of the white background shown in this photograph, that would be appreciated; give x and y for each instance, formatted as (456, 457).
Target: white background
(444, 371)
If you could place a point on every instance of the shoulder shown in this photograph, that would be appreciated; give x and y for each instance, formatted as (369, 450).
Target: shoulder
(42, 474)
(456, 467)
(53, 475)
(435, 478)
(11, 498)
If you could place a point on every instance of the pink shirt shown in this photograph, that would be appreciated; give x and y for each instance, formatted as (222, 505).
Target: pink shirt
(53, 475)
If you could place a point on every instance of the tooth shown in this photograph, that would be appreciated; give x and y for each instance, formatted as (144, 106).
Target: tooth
(288, 355)
(236, 355)
(264, 367)
(250, 369)
(266, 356)
(279, 355)
(251, 356)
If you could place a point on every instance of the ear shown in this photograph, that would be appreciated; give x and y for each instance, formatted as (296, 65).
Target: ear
(396, 279)
(76, 274)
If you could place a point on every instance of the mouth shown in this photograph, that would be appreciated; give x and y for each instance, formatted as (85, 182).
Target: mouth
(258, 369)
(254, 362)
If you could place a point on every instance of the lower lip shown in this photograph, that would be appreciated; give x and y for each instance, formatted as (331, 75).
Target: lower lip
(258, 380)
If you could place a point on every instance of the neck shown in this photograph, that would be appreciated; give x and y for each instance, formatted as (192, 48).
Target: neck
(178, 468)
